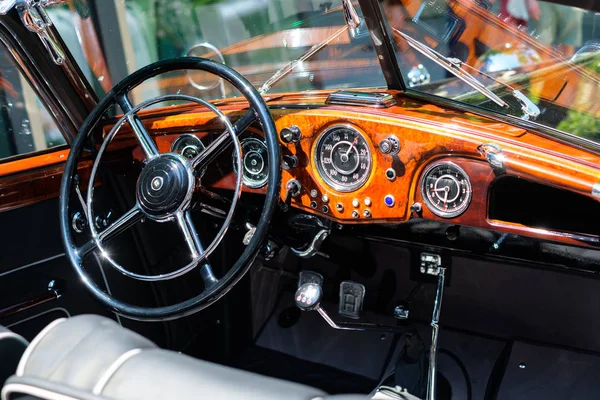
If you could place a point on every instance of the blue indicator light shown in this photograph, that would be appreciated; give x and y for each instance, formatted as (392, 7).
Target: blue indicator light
(389, 200)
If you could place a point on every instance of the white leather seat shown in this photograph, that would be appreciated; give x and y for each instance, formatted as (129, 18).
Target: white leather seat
(91, 357)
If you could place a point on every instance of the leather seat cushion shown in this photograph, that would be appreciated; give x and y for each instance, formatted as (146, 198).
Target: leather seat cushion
(92, 358)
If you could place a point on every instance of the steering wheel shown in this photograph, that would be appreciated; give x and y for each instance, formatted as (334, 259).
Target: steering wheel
(165, 187)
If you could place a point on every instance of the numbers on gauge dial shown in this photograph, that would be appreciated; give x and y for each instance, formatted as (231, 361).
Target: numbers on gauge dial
(446, 189)
(343, 158)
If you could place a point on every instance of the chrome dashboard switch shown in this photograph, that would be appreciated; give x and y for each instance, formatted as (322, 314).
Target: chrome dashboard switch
(390, 145)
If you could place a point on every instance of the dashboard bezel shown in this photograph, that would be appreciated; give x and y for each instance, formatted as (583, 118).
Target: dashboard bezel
(249, 182)
(432, 207)
(319, 168)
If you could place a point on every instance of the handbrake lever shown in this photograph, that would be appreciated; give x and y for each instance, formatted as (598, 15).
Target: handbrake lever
(308, 298)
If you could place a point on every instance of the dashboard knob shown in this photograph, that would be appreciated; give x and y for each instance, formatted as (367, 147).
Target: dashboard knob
(290, 135)
(385, 146)
(293, 187)
(289, 162)
(416, 208)
(390, 145)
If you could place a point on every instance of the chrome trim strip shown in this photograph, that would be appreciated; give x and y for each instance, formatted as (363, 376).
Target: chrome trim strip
(33, 264)
(34, 343)
(21, 321)
(33, 391)
(364, 99)
(596, 190)
(6, 335)
(112, 369)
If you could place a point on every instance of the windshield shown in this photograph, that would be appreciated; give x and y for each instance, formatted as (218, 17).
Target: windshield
(548, 53)
(257, 38)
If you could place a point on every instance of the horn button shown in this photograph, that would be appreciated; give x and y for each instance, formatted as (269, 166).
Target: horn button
(164, 186)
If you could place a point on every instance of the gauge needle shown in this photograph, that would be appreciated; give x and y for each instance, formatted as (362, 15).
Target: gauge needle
(351, 146)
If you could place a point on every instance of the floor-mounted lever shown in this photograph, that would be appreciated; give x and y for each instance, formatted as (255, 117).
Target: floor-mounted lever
(308, 298)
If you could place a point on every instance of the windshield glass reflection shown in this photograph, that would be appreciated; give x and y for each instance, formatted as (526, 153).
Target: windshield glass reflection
(548, 53)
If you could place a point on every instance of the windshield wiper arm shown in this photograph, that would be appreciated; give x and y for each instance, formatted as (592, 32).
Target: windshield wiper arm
(455, 67)
(452, 65)
(289, 67)
(353, 22)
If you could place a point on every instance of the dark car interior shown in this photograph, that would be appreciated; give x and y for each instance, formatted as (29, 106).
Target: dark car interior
(137, 263)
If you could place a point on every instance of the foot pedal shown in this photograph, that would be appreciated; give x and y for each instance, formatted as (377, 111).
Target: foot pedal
(310, 277)
(352, 295)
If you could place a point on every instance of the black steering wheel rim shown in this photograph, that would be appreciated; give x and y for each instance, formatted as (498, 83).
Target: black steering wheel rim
(238, 270)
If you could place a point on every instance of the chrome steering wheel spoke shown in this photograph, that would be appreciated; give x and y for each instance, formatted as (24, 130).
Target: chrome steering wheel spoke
(141, 133)
(196, 249)
(223, 142)
(165, 187)
(126, 221)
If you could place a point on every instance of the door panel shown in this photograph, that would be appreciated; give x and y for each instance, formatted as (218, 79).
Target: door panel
(32, 255)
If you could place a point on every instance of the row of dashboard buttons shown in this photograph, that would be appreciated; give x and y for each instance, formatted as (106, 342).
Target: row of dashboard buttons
(388, 201)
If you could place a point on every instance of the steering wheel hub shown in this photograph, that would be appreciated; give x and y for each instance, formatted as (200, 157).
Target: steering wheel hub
(164, 187)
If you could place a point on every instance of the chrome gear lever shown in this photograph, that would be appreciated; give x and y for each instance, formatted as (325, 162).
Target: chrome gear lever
(308, 298)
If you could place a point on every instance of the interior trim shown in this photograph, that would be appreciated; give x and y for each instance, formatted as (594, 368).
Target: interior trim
(32, 264)
(101, 384)
(34, 343)
(61, 309)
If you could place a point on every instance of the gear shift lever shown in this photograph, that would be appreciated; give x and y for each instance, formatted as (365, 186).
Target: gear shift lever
(308, 298)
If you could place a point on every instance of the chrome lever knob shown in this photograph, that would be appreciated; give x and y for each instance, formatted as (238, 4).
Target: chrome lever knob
(308, 296)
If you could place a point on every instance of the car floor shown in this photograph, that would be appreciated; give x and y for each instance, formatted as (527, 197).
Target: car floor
(490, 345)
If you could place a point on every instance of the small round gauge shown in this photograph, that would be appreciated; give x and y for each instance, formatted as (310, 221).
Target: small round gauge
(446, 189)
(343, 158)
(255, 162)
(188, 146)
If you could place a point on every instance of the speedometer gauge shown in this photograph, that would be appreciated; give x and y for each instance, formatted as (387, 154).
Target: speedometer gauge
(446, 189)
(343, 158)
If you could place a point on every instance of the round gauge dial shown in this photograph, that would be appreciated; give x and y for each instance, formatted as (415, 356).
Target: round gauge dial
(188, 146)
(446, 189)
(255, 162)
(343, 158)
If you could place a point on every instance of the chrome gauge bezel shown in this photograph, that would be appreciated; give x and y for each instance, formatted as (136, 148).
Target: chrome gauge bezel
(320, 168)
(247, 181)
(431, 206)
(197, 144)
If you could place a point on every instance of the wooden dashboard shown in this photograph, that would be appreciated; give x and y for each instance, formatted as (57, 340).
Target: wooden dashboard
(426, 133)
